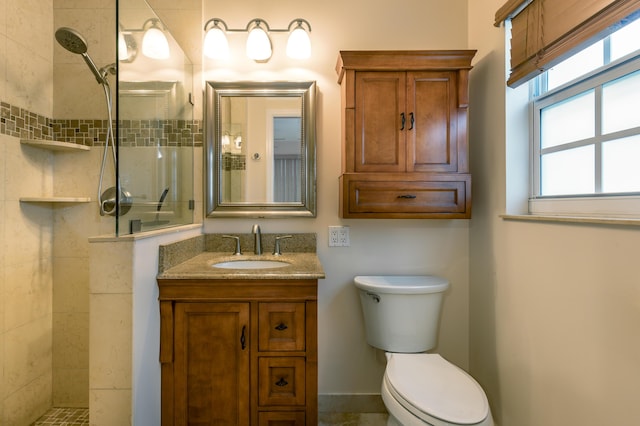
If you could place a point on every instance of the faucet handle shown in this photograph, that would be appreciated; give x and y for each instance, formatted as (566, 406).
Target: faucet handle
(238, 251)
(276, 247)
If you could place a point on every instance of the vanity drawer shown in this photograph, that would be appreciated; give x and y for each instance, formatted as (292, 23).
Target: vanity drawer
(281, 326)
(281, 381)
(281, 418)
(399, 196)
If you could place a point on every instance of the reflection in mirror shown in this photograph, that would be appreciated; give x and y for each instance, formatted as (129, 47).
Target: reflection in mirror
(260, 149)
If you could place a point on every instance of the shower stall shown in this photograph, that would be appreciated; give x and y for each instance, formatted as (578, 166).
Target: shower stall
(134, 109)
(146, 170)
(155, 129)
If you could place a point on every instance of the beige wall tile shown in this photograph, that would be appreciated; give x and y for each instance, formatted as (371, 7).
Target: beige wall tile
(28, 79)
(110, 341)
(28, 232)
(71, 340)
(77, 94)
(3, 58)
(4, 141)
(31, 27)
(3, 19)
(70, 387)
(72, 227)
(28, 403)
(28, 288)
(2, 391)
(109, 407)
(86, 4)
(110, 267)
(27, 354)
(28, 170)
(71, 290)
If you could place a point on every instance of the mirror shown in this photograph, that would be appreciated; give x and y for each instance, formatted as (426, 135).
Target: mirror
(260, 149)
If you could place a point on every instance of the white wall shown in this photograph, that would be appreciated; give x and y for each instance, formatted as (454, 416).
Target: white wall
(554, 308)
(346, 363)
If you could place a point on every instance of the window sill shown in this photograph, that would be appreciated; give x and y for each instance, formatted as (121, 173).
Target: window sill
(573, 219)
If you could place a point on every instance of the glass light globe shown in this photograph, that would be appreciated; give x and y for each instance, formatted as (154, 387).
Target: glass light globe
(216, 45)
(155, 44)
(258, 45)
(299, 45)
(123, 51)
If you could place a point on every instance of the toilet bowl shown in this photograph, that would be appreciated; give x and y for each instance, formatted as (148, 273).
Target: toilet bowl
(401, 316)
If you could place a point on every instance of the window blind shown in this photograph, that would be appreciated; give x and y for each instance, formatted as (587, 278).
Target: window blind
(545, 32)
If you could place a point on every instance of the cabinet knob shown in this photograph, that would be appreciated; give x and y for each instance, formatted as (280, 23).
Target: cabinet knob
(411, 120)
(282, 382)
(243, 340)
(281, 327)
(403, 119)
(407, 196)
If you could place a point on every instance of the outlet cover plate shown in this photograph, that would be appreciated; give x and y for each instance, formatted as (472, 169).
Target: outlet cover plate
(339, 236)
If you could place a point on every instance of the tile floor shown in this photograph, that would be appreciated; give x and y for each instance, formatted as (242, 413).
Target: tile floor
(64, 417)
(80, 417)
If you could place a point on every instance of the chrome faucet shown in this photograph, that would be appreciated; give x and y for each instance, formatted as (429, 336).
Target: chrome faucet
(257, 239)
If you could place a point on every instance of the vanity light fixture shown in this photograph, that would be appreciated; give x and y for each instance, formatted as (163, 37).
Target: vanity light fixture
(258, 45)
(258, 42)
(154, 42)
(215, 44)
(127, 46)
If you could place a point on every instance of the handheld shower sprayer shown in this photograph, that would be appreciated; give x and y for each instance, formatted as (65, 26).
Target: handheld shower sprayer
(71, 40)
(115, 200)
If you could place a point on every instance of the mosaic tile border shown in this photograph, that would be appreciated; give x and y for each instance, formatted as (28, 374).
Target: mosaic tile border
(24, 124)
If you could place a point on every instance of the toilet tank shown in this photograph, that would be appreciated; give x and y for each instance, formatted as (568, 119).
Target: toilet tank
(401, 312)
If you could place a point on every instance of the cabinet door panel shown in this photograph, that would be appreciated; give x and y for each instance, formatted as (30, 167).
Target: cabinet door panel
(379, 139)
(431, 145)
(211, 366)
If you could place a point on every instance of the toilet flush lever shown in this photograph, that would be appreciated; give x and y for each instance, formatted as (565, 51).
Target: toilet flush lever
(374, 297)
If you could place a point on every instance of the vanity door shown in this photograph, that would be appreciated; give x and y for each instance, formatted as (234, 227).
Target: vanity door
(211, 367)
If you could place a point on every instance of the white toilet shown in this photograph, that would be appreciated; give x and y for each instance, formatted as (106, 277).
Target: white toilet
(401, 315)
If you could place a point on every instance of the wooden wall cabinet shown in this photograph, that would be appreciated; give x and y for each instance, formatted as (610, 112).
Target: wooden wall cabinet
(404, 134)
(238, 352)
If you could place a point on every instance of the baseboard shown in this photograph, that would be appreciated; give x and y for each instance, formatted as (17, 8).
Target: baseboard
(351, 403)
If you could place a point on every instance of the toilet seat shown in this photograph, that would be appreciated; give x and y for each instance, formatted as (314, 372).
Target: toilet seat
(430, 387)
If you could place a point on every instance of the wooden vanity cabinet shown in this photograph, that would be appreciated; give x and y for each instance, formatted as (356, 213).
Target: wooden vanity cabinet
(238, 352)
(404, 134)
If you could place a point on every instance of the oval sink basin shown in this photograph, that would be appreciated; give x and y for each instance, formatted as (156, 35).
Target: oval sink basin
(250, 264)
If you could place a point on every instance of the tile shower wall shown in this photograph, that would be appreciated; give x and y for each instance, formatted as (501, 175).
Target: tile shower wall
(26, 277)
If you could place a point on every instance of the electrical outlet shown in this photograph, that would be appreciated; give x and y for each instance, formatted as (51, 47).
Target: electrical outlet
(339, 236)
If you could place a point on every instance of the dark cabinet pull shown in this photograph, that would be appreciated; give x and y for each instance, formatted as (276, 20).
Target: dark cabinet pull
(282, 382)
(411, 120)
(243, 340)
(402, 119)
(407, 196)
(281, 327)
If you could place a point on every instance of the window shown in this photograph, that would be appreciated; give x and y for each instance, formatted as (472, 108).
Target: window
(586, 130)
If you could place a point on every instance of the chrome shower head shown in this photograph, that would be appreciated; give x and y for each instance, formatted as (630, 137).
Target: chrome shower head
(71, 40)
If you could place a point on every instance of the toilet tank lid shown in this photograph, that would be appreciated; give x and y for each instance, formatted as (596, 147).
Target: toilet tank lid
(401, 284)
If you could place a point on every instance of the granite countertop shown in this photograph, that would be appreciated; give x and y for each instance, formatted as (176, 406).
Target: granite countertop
(301, 266)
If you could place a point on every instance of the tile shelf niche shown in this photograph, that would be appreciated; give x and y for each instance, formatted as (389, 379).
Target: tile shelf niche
(55, 146)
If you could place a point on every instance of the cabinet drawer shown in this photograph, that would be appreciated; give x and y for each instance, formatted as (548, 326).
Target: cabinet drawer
(281, 327)
(436, 196)
(281, 418)
(281, 381)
